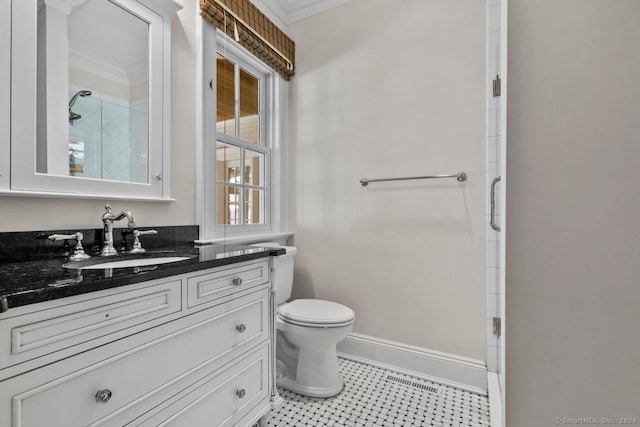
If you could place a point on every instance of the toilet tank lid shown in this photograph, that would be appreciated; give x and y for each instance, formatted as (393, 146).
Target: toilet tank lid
(291, 250)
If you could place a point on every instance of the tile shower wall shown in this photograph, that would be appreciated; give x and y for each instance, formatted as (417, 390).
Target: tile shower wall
(494, 140)
(139, 137)
(113, 134)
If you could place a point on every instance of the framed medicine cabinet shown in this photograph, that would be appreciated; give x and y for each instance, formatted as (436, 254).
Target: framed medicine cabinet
(89, 98)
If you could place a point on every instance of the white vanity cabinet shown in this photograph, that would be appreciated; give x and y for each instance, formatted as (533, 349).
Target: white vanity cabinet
(141, 355)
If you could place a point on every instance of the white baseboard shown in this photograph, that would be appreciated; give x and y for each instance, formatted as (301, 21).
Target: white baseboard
(448, 369)
(495, 400)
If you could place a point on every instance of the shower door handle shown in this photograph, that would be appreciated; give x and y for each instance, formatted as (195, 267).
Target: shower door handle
(493, 203)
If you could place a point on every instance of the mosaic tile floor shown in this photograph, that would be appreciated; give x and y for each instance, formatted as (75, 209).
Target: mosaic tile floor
(374, 396)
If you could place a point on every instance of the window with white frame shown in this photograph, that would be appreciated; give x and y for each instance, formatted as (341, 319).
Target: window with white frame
(242, 152)
(244, 157)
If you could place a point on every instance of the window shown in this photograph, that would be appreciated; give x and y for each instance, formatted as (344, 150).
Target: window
(244, 157)
(241, 149)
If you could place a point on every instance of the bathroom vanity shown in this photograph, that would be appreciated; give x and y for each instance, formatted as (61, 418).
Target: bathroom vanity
(188, 343)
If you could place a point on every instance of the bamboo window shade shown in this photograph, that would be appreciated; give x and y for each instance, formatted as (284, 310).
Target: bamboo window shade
(241, 20)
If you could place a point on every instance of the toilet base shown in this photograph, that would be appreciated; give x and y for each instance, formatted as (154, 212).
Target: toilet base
(288, 384)
(309, 372)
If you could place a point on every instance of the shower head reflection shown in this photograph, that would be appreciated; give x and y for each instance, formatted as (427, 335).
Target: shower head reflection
(75, 116)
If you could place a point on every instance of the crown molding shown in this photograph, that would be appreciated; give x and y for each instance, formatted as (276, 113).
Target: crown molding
(165, 7)
(290, 11)
(94, 64)
(64, 6)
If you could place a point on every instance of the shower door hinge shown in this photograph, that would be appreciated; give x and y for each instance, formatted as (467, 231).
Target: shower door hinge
(497, 86)
(497, 328)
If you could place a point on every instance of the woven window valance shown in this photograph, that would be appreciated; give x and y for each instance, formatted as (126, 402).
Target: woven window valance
(241, 20)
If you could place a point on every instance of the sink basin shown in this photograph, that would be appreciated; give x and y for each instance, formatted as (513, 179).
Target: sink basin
(99, 264)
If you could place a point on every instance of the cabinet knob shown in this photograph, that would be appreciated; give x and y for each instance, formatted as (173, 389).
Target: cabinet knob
(103, 396)
(237, 281)
(240, 393)
(241, 328)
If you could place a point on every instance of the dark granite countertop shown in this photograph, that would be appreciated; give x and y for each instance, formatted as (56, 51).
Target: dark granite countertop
(29, 282)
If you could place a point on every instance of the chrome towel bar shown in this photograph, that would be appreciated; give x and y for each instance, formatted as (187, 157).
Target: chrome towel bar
(460, 176)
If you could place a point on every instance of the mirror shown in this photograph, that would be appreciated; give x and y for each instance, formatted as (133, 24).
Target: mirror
(90, 106)
(107, 100)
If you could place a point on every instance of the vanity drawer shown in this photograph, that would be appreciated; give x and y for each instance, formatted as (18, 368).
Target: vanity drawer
(210, 286)
(42, 332)
(119, 389)
(221, 399)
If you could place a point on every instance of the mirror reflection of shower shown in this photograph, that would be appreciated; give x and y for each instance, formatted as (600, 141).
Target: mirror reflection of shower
(75, 116)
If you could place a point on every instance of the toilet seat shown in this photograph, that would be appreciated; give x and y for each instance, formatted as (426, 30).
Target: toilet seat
(315, 313)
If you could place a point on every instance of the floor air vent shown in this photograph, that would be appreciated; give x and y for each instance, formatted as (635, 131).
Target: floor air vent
(414, 384)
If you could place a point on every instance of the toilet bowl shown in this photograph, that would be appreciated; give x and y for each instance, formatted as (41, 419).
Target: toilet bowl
(307, 344)
(307, 333)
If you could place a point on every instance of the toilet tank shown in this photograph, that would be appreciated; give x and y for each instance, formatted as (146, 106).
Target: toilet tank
(282, 273)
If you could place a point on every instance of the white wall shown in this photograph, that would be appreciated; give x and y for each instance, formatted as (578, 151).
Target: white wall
(35, 213)
(573, 204)
(386, 91)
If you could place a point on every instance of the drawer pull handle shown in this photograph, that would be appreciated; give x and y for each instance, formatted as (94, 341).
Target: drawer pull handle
(237, 281)
(103, 396)
(240, 393)
(241, 328)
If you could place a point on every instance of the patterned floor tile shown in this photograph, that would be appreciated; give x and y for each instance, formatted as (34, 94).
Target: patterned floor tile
(373, 396)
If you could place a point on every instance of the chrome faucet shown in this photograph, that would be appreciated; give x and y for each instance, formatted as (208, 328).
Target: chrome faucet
(107, 219)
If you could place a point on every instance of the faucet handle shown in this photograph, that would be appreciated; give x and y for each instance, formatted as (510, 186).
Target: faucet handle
(143, 232)
(78, 251)
(58, 237)
(137, 246)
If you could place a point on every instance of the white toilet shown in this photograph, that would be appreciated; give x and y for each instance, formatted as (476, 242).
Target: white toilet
(308, 331)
